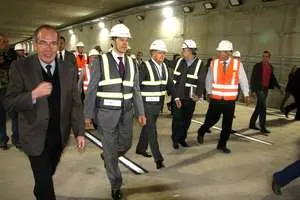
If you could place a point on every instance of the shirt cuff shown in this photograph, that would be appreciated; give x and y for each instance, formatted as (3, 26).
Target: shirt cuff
(176, 99)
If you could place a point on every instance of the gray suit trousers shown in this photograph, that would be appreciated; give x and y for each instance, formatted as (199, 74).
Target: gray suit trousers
(115, 128)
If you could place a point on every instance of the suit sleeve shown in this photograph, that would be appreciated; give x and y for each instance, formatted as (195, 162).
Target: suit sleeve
(201, 80)
(17, 99)
(137, 97)
(274, 81)
(77, 119)
(90, 98)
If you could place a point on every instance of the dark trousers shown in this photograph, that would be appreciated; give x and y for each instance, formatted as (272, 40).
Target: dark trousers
(14, 128)
(260, 109)
(297, 99)
(182, 118)
(215, 109)
(43, 168)
(288, 174)
(3, 134)
(149, 135)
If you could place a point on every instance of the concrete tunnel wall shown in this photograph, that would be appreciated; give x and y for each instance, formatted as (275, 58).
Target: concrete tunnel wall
(252, 27)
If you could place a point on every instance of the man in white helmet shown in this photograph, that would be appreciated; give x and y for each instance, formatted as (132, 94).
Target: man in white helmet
(222, 82)
(19, 48)
(114, 91)
(154, 83)
(189, 80)
(236, 54)
(82, 64)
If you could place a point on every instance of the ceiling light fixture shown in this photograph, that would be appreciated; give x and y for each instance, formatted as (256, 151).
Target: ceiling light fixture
(167, 12)
(101, 25)
(187, 9)
(235, 2)
(209, 5)
(140, 17)
(71, 31)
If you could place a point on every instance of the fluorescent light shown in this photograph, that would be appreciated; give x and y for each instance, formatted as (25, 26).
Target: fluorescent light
(167, 12)
(209, 5)
(101, 25)
(187, 9)
(71, 31)
(235, 2)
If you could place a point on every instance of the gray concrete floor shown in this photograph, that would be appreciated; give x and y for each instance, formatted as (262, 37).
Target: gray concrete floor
(195, 173)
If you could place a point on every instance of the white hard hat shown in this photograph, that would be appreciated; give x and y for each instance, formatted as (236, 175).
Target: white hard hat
(80, 44)
(225, 45)
(19, 47)
(132, 56)
(120, 30)
(236, 54)
(158, 45)
(94, 52)
(190, 44)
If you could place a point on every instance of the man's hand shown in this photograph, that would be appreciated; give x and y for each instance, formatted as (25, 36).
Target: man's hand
(178, 103)
(88, 124)
(80, 143)
(195, 98)
(247, 100)
(142, 120)
(43, 89)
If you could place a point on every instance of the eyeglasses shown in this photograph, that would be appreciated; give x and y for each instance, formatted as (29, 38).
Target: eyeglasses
(45, 44)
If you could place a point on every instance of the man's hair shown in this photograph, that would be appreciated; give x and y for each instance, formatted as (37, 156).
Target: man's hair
(268, 52)
(44, 26)
(62, 38)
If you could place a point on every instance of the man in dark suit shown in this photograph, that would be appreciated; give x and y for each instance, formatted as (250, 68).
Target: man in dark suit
(262, 79)
(285, 176)
(43, 90)
(63, 54)
(154, 83)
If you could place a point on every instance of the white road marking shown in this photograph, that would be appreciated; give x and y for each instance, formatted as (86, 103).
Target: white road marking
(237, 134)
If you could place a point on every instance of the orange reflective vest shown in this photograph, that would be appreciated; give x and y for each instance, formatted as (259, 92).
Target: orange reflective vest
(82, 65)
(225, 85)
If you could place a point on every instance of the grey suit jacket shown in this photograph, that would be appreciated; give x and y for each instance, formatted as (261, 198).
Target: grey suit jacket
(111, 117)
(33, 118)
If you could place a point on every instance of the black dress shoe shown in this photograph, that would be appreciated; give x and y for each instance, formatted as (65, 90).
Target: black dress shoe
(264, 130)
(200, 139)
(175, 145)
(116, 194)
(224, 149)
(253, 127)
(4, 146)
(184, 144)
(159, 164)
(145, 154)
(275, 187)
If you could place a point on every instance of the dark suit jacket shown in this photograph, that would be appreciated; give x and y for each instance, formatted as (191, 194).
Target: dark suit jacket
(69, 57)
(33, 119)
(256, 79)
(144, 75)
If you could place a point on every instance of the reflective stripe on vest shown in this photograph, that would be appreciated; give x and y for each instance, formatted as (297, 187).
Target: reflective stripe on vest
(108, 81)
(151, 74)
(192, 76)
(153, 94)
(225, 85)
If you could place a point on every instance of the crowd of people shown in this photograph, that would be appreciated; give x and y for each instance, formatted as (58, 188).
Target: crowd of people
(54, 90)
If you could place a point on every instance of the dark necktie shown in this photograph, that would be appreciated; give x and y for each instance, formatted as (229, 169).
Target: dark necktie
(49, 74)
(60, 56)
(121, 67)
(224, 67)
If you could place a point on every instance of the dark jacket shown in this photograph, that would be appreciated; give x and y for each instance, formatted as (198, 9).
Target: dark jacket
(33, 118)
(256, 79)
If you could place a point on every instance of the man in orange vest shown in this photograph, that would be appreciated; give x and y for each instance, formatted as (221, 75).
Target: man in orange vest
(82, 64)
(222, 82)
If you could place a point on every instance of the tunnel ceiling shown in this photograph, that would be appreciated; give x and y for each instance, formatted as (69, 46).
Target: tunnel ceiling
(19, 18)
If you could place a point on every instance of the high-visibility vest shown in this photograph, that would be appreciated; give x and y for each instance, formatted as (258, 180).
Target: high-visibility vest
(191, 77)
(153, 89)
(225, 85)
(82, 66)
(112, 91)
